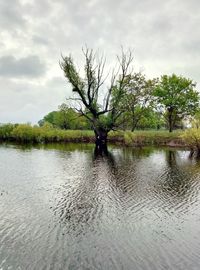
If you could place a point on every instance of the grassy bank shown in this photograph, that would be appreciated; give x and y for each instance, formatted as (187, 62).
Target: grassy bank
(27, 134)
(161, 137)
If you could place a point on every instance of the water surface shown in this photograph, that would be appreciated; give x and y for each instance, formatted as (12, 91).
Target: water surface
(63, 208)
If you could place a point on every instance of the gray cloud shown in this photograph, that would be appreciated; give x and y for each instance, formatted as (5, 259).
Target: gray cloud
(11, 15)
(40, 40)
(164, 35)
(30, 66)
(23, 101)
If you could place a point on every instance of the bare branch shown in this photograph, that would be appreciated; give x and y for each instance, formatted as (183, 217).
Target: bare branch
(88, 88)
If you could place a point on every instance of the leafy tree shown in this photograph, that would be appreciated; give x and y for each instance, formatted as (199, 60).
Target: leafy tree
(68, 118)
(177, 98)
(89, 88)
(65, 118)
(49, 118)
(151, 119)
(138, 97)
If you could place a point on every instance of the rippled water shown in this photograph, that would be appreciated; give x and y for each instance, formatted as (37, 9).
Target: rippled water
(63, 208)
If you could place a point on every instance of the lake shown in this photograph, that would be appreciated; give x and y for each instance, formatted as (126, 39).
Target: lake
(61, 207)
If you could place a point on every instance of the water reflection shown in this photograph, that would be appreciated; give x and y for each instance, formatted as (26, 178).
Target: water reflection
(121, 180)
(67, 208)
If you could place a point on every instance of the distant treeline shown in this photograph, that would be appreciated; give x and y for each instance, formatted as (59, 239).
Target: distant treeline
(169, 102)
(67, 118)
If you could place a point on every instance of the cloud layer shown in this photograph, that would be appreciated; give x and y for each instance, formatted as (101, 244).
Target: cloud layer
(164, 35)
(29, 66)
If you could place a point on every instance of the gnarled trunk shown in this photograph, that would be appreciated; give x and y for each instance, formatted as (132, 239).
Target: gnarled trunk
(101, 140)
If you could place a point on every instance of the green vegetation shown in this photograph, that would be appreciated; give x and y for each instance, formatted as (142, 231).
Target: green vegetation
(132, 100)
(153, 137)
(104, 105)
(138, 101)
(177, 98)
(192, 139)
(25, 133)
(65, 118)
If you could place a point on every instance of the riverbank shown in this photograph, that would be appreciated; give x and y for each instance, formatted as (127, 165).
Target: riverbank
(34, 134)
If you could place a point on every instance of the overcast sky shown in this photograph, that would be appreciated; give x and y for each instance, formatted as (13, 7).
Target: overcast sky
(165, 37)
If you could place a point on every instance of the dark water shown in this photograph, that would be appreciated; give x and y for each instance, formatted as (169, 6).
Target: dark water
(62, 208)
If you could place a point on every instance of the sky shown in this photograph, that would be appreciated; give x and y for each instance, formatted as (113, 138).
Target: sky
(164, 37)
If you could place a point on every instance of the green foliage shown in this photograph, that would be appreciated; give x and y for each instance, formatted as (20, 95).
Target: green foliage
(6, 131)
(151, 120)
(26, 133)
(151, 137)
(50, 118)
(177, 98)
(65, 118)
(196, 120)
(34, 134)
(130, 95)
(192, 137)
(137, 99)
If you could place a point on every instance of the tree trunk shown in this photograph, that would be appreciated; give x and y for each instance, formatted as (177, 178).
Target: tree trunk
(170, 119)
(198, 152)
(191, 153)
(101, 141)
(134, 124)
(133, 119)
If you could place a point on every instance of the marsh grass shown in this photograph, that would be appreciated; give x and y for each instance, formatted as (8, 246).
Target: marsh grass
(152, 137)
(26, 133)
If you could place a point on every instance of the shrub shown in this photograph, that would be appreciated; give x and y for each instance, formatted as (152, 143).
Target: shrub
(6, 131)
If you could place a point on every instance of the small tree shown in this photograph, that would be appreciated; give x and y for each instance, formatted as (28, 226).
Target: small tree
(65, 118)
(103, 113)
(68, 118)
(177, 98)
(49, 118)
(138, 97)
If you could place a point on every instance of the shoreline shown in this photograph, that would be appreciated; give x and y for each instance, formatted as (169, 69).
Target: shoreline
(26, 134)
(173, 143)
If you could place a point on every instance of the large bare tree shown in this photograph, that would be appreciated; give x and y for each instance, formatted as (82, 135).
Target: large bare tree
(89, 88)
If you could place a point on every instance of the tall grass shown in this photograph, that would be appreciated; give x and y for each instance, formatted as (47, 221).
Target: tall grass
(153, 137)
(33, 134)
(192, 137)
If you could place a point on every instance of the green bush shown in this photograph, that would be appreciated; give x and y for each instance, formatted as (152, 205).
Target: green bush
(6, 131)
(26, 133)
(192, 137)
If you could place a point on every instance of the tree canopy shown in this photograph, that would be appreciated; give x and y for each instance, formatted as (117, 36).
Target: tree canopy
(65, 118)
(138, 97)
(87, 88)
(177, 98)
(127, 99)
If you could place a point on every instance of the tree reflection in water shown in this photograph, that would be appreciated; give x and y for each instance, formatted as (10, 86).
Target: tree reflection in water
(117, 180)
